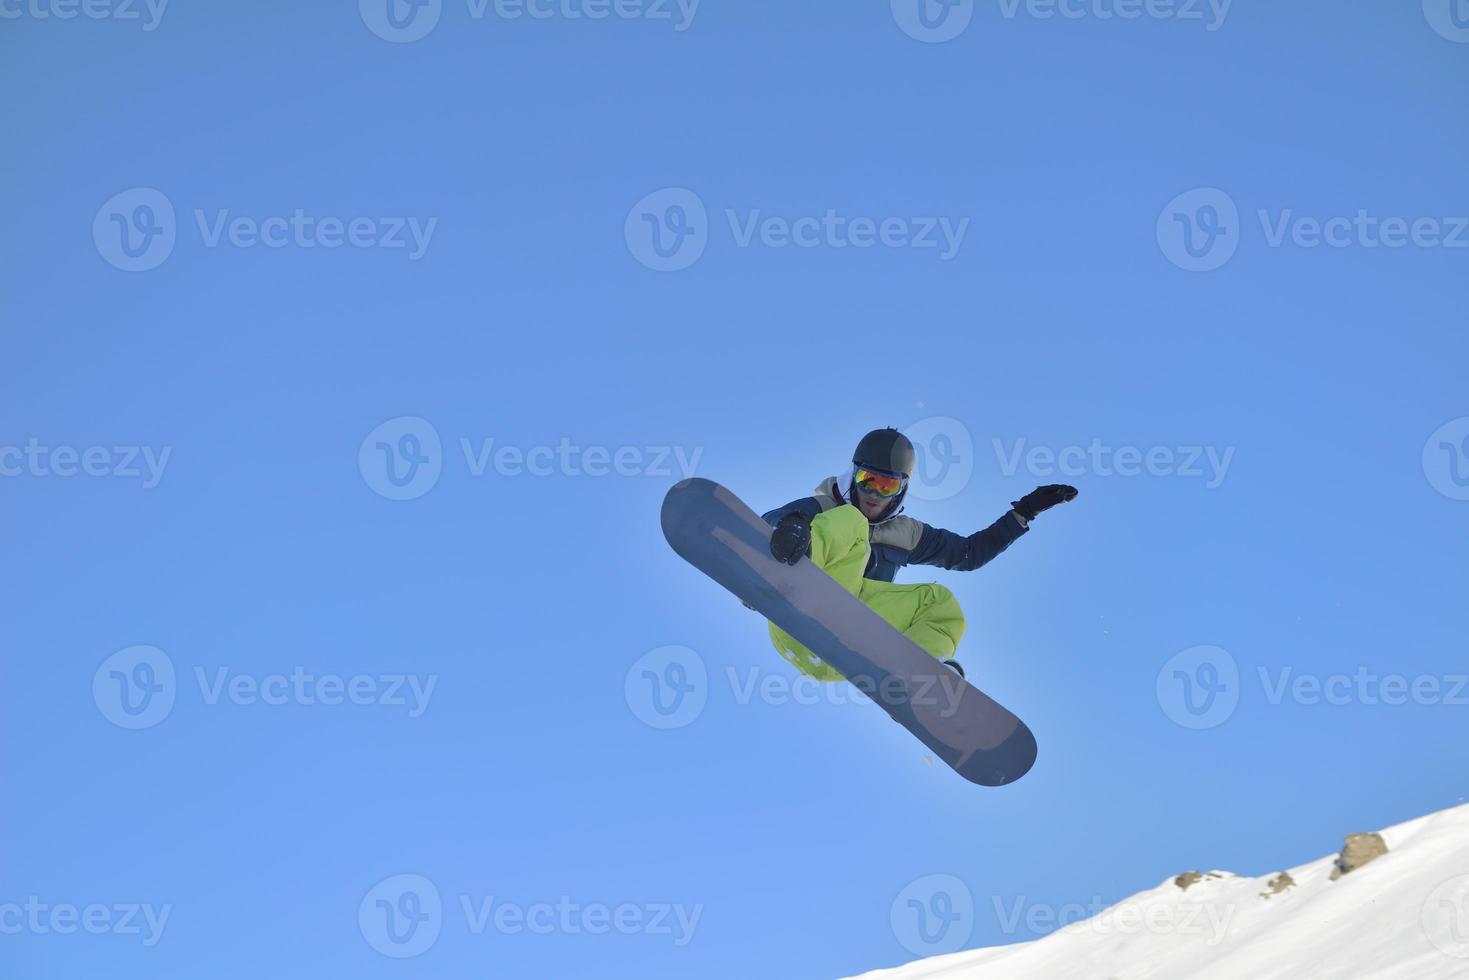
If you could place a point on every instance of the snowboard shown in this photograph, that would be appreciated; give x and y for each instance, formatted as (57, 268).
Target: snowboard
(713, 530)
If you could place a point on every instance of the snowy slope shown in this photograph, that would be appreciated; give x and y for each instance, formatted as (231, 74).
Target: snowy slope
(1403, 916)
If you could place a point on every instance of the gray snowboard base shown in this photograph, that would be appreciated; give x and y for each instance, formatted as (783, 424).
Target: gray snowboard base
(972, 733)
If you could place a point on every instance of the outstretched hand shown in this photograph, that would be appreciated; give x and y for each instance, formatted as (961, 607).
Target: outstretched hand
(1042, 499)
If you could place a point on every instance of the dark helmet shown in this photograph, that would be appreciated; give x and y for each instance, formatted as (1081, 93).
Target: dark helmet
(887, 450)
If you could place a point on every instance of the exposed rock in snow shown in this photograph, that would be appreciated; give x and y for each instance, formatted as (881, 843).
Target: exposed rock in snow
(1390, 906)
(1188, 878)
(1278, 884)
(1359, 849)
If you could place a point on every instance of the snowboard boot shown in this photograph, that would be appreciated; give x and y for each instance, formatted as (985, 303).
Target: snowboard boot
(955, 666)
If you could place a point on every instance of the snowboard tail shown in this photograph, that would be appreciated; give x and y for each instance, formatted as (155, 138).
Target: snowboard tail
(718, 534)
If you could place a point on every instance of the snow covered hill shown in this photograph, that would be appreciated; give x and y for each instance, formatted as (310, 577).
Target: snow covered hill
(1399, 915)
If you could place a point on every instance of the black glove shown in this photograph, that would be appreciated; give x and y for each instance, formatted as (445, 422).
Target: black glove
(792, 538)
(1042, 499)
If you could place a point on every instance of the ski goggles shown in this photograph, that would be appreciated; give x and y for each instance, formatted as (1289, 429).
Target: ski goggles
(879, 483)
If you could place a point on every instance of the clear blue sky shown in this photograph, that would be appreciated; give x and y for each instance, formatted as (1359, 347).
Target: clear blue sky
(520, 148)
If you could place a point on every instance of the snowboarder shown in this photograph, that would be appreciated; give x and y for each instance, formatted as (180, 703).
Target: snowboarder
(853, 529)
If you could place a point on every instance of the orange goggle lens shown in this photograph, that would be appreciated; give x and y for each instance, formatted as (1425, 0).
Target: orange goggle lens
(882, 484)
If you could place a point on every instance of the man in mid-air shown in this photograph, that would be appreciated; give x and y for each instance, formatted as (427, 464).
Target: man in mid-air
(853, 529)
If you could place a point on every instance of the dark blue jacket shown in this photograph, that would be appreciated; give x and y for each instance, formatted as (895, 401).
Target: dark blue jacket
(899, 540)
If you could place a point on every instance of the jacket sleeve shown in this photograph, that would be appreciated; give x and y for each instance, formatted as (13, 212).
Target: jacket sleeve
(954, 551)
(809, 506)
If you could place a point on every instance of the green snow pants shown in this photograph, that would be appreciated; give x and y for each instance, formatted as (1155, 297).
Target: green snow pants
(929, 615)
